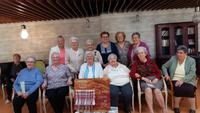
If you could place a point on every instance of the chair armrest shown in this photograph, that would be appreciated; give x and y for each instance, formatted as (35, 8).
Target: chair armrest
(138, 85)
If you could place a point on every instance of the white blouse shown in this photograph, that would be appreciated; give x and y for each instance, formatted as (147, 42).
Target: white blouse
(98, 71)
(180, 71)
(119, 76)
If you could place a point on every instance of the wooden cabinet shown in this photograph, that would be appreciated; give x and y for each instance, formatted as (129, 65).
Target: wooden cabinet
(170, 35)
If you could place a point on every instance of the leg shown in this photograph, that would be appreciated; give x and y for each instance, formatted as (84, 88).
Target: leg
(62, 92)
(51, 95)
(9, 89)
(127, 96)
(57, 98)
(114, 91)
(18, 103)
(31, 102)
(192, 103)
(160, 99)
(149, 99)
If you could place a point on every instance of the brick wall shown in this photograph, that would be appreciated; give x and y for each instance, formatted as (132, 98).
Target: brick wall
(42, 35)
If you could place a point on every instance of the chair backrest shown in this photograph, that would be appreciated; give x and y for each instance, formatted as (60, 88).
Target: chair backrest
(40, 65)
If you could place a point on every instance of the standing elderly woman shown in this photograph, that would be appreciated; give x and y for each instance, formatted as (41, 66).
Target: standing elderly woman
(75, 55)
(182, 70)
(57, 78)
(136, 43)
(119, 82)
(90, 48)
(149, 74)
(106, 47)
(26, 87)
(122, 46)
(90, 69)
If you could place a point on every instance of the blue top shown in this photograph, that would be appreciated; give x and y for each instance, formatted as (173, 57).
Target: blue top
(32, 78)
(105, 52)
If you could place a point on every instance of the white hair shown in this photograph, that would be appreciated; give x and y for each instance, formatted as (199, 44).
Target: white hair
(141, 49)
(89, 41)
(31, 57)
(73, 38)
(112, 55)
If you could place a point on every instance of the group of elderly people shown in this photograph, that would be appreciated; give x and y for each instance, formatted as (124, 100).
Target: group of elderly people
(109, 60)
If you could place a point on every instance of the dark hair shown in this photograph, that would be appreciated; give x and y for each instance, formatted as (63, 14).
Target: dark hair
(17, 55)
(120, 32)
(136, 33)
(104, 32)
(60, 36)
(183, 48)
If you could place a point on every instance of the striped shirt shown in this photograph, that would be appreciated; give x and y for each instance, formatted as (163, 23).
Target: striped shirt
(57, 78)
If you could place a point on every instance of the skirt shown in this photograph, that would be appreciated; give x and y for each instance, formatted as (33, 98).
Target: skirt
(158, 85)
(185, 90)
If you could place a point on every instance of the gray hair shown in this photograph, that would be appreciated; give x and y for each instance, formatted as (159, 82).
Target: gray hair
(54, 53)
(112, 55)
(183, 48)
(73, 38)
(141, 49)
(89, 53)
(31, 57)
(89, 41)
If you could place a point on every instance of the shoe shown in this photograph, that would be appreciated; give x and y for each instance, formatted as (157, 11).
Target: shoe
(176, 110)
(7, 101)
(192, 111)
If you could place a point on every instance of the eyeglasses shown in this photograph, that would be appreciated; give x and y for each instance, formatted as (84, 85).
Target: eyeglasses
(30, 61)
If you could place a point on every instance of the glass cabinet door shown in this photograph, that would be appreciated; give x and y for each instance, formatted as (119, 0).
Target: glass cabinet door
(178, 36)
(191, 39)
(165, 41)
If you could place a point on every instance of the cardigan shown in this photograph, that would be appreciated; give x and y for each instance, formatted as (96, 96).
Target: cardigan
(190, 69)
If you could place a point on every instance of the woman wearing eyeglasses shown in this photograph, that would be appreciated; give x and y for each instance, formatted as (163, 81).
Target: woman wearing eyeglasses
(57, 80)
(26, 87)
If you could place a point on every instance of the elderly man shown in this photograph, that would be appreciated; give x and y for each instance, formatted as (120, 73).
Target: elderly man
(61, 49)
(75, 55)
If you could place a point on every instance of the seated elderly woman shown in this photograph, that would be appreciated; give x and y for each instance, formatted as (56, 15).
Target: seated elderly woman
(57, 78)
(182, 73)
(149, 74)
(119, 82)
(91, 69)
(26, 87)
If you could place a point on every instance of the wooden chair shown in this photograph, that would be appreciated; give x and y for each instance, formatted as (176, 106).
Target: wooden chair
(171, 93)
(164, 90)
(131, 82)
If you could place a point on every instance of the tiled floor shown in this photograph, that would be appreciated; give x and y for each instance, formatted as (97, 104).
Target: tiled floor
(7, 108)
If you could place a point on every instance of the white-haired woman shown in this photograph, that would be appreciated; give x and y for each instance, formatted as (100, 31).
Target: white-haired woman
(149, 74)
(90, 69)
(119, 82)
(57, 79)
(26, 87)
(75, 54)
(90, 47)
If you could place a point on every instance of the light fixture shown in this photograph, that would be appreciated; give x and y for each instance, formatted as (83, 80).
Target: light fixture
(24, 33)
(196, 16)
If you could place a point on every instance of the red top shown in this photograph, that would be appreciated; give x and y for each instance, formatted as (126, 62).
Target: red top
(62, 56)
(148, 68)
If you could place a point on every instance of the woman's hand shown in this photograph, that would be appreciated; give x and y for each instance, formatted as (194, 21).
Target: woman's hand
(44, 85)
(19, 94)
(25, 95)
(154, 81)
(137, 75)
(179, 83)
(167, 77)
(146, 80)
